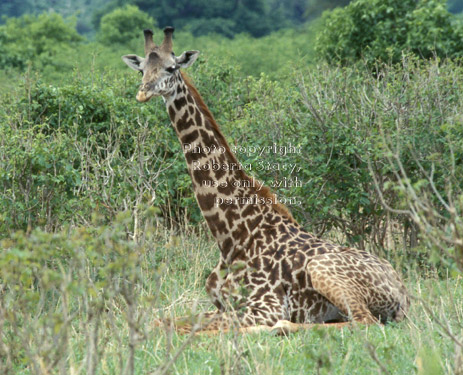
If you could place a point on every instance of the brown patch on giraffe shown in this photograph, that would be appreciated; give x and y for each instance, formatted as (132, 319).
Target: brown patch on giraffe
(226, 189)
(198, 118)
(183, 123)
(241, 233)
(211, 281)
(227, 245)
(252, 223)
(250, 210)
(264, 191)
(231, 217)
(180, 103)
(190, 99)
(193, 157)
(201, 175)
(172, 113)
(190, 137)
(206, 201)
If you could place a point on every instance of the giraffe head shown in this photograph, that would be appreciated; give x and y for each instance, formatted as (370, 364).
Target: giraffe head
(159, 66)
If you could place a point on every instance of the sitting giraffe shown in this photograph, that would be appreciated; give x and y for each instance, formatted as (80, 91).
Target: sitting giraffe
(271, 271)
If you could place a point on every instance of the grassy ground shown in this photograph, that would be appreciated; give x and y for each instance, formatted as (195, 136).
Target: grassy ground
(121, 337)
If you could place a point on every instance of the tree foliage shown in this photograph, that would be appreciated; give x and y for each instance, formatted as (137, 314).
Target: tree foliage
(228, 17)
(123, 24)
(382, 30)
(36, 40)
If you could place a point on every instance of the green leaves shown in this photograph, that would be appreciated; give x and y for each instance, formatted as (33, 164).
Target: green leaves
(37, 40)
(378, 30)
(122, 25)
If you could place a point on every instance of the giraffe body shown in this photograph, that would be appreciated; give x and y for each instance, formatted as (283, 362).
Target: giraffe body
(270, 269)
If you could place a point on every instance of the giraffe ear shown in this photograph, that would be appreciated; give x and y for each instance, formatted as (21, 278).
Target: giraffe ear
(187, 58)
(133, 61)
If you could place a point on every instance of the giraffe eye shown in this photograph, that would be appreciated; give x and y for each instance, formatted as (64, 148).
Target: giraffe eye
(171, 69)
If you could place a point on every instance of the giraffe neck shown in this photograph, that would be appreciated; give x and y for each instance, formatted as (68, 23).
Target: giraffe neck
(233, 204)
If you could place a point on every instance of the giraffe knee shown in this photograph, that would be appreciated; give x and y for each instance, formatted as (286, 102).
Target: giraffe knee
(364, 317)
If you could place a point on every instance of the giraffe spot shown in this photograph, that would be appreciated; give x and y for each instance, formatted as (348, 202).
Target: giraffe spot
(198, 117)
(275, 273)
(211, 281)
(259, 293)
(293, 229)
(250, 210)
(219, 173)
(302, 280)
(209, 139)
(231, 217)
(270, 233)
(206, 201)
(254, 222)
(190, 99)
(183, 123)
(189, 138)
(279, 253)
(285, 269)
(226, 189)
(192, 157)
(272, 219)
(226, 246)
(172, 113)
(200, 176)
(180, 103)
(220, 227)
(241, 233)
(268, 299)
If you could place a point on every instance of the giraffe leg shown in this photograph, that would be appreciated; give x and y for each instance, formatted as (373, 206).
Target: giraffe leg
(208, 321)
(342, 291)
(285, 327)
(216, 326)
(254, 317)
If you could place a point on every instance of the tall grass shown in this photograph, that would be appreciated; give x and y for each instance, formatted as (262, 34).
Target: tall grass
(87, 301)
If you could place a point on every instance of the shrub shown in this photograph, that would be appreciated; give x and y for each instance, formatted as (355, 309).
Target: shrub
(37, 40)
(384, 30)
(64, 293)
(89, 146)
(123, 25)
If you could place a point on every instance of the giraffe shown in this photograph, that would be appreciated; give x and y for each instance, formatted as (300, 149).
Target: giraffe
(271, 272)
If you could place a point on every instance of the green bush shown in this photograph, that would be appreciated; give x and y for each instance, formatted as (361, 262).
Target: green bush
(89, 146)
(60, 291)
(123, 25)
(346, 122)
(372, 30)
(37, 40)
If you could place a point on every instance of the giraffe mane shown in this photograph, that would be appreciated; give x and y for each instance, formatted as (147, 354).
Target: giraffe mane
(264, 191)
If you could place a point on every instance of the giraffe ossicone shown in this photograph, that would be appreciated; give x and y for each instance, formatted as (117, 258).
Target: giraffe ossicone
(271, 272)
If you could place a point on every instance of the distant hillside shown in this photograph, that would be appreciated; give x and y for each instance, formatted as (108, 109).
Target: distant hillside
(226, 17)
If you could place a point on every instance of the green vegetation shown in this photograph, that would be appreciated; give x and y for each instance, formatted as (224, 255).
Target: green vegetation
(123, 25)
(372, 30)
(100, 234)
(86, 301)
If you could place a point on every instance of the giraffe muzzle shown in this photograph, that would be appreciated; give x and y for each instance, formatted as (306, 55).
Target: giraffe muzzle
(142, 97)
